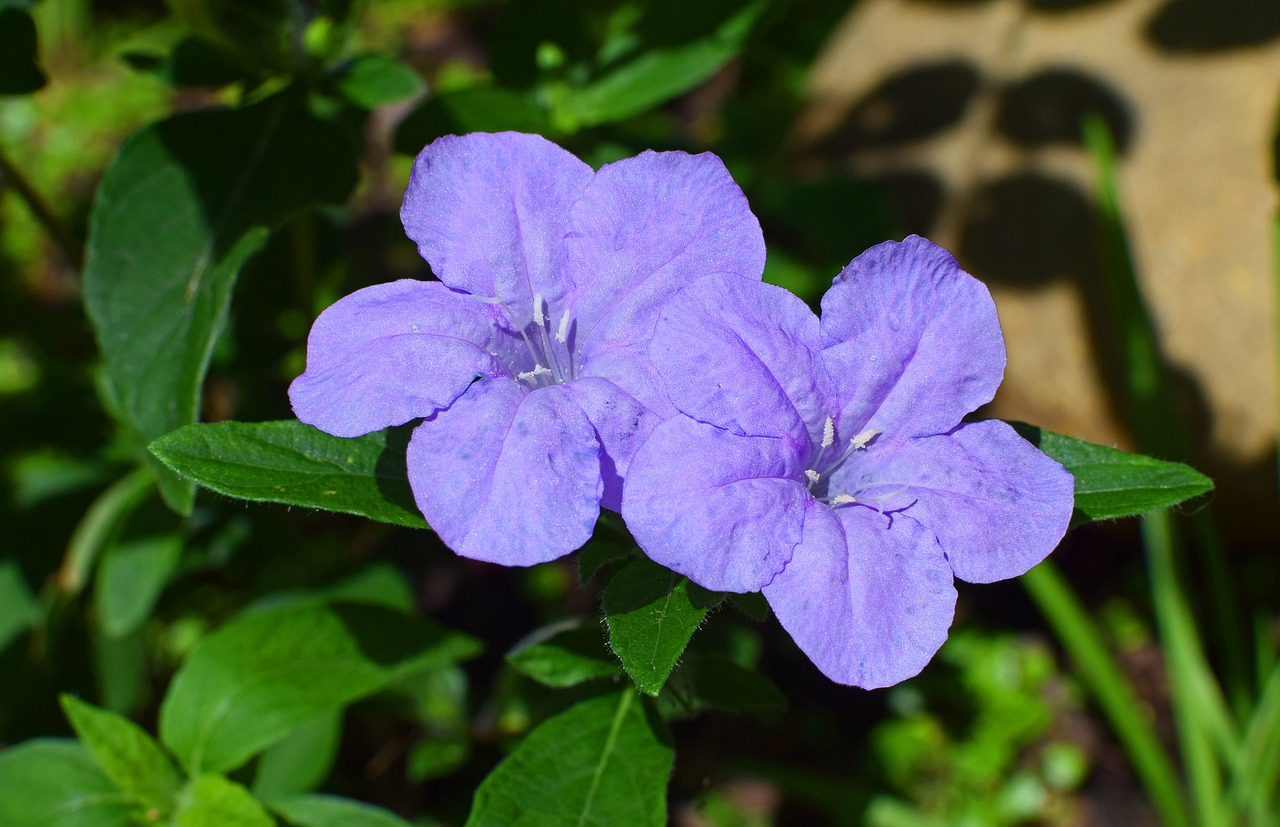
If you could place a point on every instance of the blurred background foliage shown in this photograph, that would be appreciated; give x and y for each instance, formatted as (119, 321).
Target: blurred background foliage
(104, 590)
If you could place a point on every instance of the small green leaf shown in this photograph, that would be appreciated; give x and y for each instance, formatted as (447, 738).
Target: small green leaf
(373, 79)
(125, 754)
(706, 681)
(564, 654)
(215, 801)
(606, 546)
(131, 576)
(185, 203)
(300, 761)
(17, 604)
(50, 782)
(652, 613)
(19, 61)
(603, 761)
(1112, 483)
(332, 811)
(260, 676)
(295, 464)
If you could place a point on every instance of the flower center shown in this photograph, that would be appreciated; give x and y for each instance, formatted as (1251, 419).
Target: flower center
(826, 462)
(554, 361)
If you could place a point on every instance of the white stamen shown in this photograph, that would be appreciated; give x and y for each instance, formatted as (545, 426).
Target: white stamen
(531, 376)
(860, 441)
(828, 433)
(538, 318)
(813, 475)
(843, 499)
(562, 335)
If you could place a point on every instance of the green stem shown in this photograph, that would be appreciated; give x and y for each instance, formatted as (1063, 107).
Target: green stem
(70, 246)
(1101, 676)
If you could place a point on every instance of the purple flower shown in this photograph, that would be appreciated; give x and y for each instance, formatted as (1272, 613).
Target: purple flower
(527, 359)
(825, 462)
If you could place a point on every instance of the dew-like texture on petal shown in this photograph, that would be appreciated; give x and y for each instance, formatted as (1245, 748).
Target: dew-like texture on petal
(912, 341)
(742, 354)
(997, 504)
(393, 352)
(621, 424)
(869, 599)
(490, 211)
(722, 509)
(507, 475)
(645, 227)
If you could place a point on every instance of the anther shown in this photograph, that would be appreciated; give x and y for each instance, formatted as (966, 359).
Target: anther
(860, 441)
(813, 475)
(538, 318)
(843, 499)
(562, 335)
(828, 433)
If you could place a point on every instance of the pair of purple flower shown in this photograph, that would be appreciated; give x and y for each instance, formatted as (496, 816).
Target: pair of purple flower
(604, 339)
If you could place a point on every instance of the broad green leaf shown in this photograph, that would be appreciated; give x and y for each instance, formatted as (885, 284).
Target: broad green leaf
(17, 604)
(1112, 483)
(564, 654)
(610, 543)
(123, 668)
(295, 464)
(214, 801)
(603, 762)
(652, 612)
(50, 782)
(19, 62)
(125, 754)
(476, 109)
(250, 683)
(662, 66)
(374, 79)
(300, 761)
(179, 211)
(332, 811)
(131, 576)
(706, 681)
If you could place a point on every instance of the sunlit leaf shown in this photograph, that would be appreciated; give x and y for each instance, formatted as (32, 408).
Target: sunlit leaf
(373, 79)
(47, 782)
(125, 754)
(331, 811)
(214, 801)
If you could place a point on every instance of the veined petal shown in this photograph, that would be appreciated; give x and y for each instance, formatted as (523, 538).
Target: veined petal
(867, 597)
(722, 509)
(507, 475)
(621, 424)
(996, 503)
(393, 352)
(644, 228)
(912, 341)
(489, 212)
(742, 355)
(631, 369)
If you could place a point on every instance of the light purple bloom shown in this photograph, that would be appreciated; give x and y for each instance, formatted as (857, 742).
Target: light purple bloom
(824, 461)
(527, 359)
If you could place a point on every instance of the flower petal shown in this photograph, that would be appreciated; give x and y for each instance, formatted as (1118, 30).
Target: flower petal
(621, 425)
(996, 503)
(507, 475)
(742, 355)
(912, 341)
(489, 212)
(644, 228)
(393, 352)
(722, 509)
(869, 599)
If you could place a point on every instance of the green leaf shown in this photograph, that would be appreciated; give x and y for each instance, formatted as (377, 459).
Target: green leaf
(652, 612)
(1112, 483)
(130, 578)
(603, 761)
(264, 674)
(331, 811)
(610, 543)
(125, 753)
(193, 61)
(295, 464)
(373, 79)
(476, 109)
(300, 761)
(564, 654)
(666, 64)
(54, 782)
(17, 604)
(19, 61)
(214, 801)
(706, 681)
(179, 211)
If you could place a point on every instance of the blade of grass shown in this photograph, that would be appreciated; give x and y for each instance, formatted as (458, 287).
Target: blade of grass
(1257, 774)
(1101, 676)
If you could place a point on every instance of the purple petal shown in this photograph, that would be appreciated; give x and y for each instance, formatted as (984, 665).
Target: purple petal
(394, 352)
(722, 509)
(742, 355)
(506, 475)
(912, 341)
(645, 227)
(997, 504)
(621, 425)
(489, 212)
(631, 369)
(867, 598)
